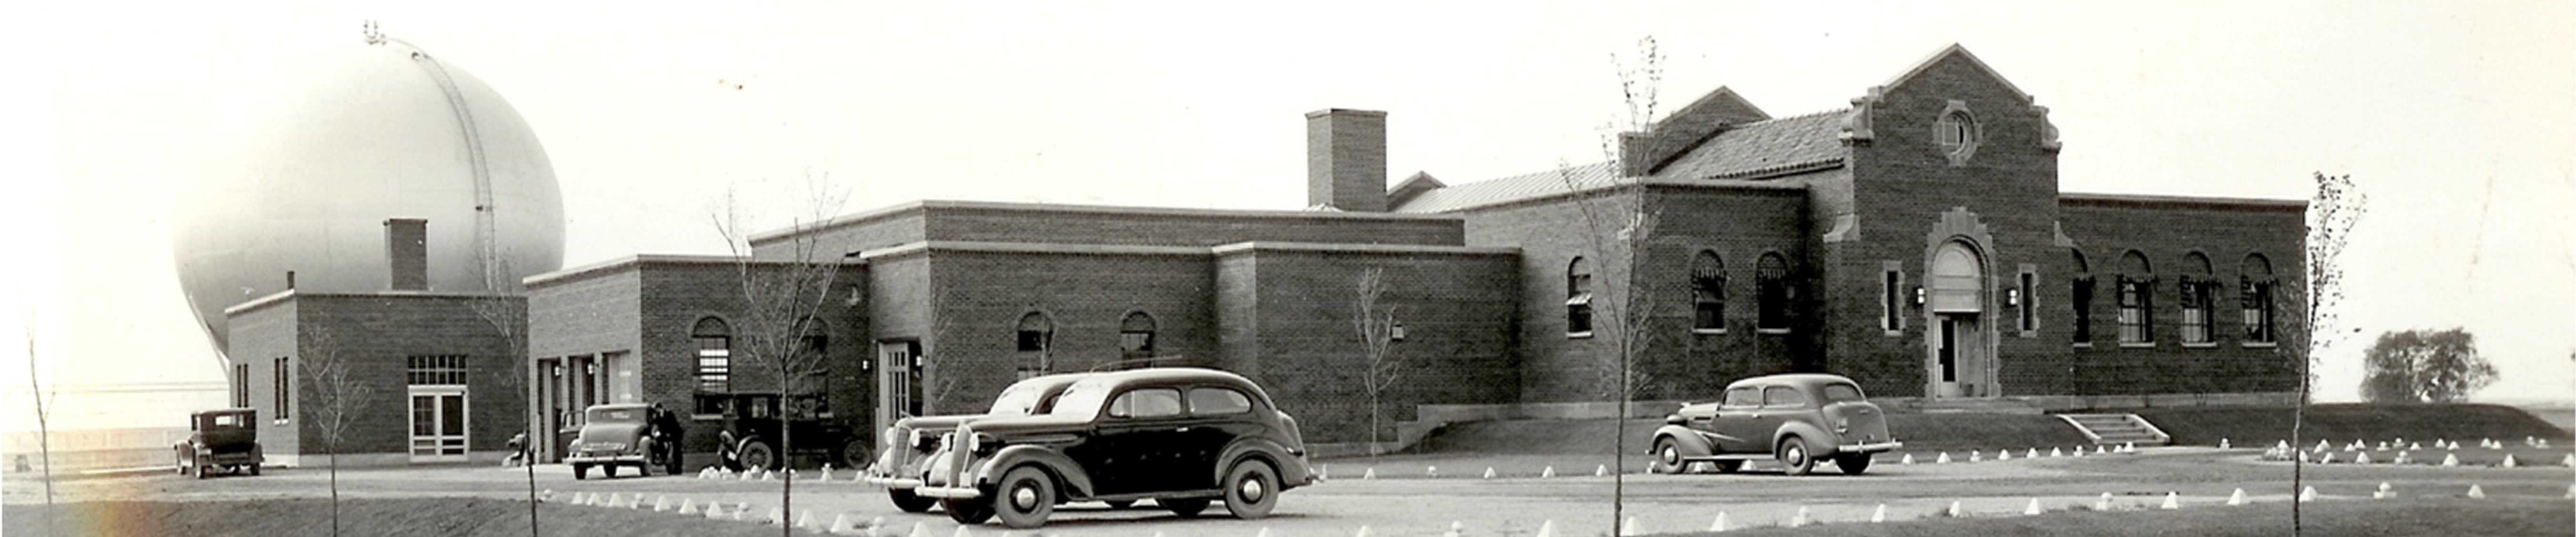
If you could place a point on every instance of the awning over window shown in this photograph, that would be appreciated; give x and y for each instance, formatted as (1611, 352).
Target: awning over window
(1579, 300)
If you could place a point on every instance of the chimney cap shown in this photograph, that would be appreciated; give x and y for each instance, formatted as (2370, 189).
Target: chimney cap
(1344, 112)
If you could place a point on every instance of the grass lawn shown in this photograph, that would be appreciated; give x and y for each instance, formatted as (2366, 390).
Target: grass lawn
(426, 517)
(2342, 423)
(2493, 517)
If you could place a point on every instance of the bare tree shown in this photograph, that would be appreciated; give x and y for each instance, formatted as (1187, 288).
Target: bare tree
(336, 396)
(1617, 226)
(2332, 211)
(1376, 326)
(44, 414)
(508, 322)
(783, 300)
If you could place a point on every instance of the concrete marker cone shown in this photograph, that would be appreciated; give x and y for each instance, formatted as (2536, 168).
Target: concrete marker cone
(2128, 447)
(961, 532)
(635, 502)
(1456, 529)
(2569, 460)
(714, 512)
(1362, 533)
(2384, 492)
(1489, 472)
(827, 473)
(2401, 457)
(2032, 453)
(2382, 446)
(2079, 451)
(741, 509)
(1976, 456)
(1799, 520)
(805, 519)
(661, 504)
(2172, 501)
(2003, 455)
(1368, 475)
(2237, 498)
(1878, 515)
(840, 524)
(2477, 492)
(1718, 525)
(1324, 472)
(2103, 503)
(1944, 459)
(875, 525)
(2222, 443)
(610, 502)
(1908, 460)
(1265, 532)
(918, 531)
(2283, 446)
(1600, 470)
(2451, 459)
(1431, 471)
(2508, 461)
(2418, 446)
(1628, 527)
(2098, 449)
(1550, 472)
(1953, 512)
(776, 516)
(2055, 453)
(2308, 494)
(688, 506)
(2363, 458)
(1547, 528)
(2322, 446)
(2327, 459)
(2031, 509)
(2571, 492)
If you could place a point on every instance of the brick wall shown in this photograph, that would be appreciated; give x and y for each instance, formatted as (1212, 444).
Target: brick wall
(970, 341)
(2167, 232)
(262, 333)
(676, 294)
(1290, 316)
(376, 334)
(1071, 224)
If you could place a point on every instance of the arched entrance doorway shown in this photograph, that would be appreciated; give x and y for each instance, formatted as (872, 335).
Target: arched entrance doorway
(1961, 362)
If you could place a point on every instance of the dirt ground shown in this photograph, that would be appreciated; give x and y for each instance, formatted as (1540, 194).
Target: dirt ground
(1404, 501)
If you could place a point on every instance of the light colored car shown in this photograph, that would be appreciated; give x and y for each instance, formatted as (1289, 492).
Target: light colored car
(1797, 419)
(908, 445)
(619, 435)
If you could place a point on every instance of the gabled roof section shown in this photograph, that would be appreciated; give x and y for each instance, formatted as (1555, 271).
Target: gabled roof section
(1962, 52)
(1784, 145)
(1686, 128)
(1517, 187)
(1405, 190)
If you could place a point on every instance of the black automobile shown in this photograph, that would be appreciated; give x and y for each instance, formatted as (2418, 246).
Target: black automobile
(628, 434)
(754, 424)
(1183, 437)
(220, 440)
(908, 445)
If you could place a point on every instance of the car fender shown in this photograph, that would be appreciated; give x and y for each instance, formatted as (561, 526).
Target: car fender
(1290, 475)
(1692, 442)
(1818, 440)
(1076, 483)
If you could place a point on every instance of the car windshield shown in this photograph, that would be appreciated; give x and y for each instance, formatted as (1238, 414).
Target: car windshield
(1082, 399)
(1019, 400)
(230, 421)
(1842, 393)
(626, 415)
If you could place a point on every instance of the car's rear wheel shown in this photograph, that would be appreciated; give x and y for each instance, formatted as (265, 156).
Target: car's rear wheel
(968, 510)
(1251, 489)
(857, 454)
(909, 502)
(1025, 498)
(1794, 457)
(580, 471)
(1186, 507)
(609, 470)
(757, 455)
(1852, 463)
(1668, 457)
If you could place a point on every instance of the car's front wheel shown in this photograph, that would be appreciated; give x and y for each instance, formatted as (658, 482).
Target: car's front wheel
(909, 502)
(1853, 463)
(181, 456)
(1025, 498)
(1794, 457)
(1668, 457)
(609, 470)
(1186, 507)
(580, 471)
(757, 455)
(857, 454)
(1251, 490)
(968, 510)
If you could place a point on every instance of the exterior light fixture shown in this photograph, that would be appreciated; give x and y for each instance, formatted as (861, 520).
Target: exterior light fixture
(1396, 332)
(1918, 295)
(2012, 297)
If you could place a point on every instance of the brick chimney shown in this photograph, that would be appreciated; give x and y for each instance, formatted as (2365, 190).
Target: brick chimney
(407, 252)
(1346, 159)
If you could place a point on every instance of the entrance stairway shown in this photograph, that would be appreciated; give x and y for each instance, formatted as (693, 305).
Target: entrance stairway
(2118, 429)
(1974, 405)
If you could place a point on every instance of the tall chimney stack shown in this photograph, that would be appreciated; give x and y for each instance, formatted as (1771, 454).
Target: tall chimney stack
(407, 252)
(1346, 159)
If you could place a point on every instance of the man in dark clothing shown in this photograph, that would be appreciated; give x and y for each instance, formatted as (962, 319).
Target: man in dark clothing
(666, 431)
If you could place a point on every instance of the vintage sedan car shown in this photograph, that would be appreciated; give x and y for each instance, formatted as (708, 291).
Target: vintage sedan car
(220, 440)
(1183, 437)
(1795, 419)
(756, 425)
(624, 434)
(908, 445)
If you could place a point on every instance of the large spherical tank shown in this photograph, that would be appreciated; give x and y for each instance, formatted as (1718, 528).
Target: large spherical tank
(378, 132)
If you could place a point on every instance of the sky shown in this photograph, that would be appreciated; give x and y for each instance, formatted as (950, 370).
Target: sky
(2457, 119)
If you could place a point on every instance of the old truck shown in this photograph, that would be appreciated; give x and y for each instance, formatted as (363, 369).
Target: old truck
(225, 440)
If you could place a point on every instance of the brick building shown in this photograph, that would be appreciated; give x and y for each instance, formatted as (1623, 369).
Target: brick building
(1917, 242)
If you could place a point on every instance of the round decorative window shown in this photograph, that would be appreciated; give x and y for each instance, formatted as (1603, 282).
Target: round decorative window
(1957, 134)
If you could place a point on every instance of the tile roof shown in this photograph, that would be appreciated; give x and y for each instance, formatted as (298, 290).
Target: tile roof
(1748, 150)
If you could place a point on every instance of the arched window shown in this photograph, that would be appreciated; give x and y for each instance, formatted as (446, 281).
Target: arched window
(1771, 290)
(2080, 296)
(1708, 293)
(713, 341)
(1036, 337)
(2255, 288)
(2137, 300)
(1136, 336)
(2196, 288)
(1578, 297)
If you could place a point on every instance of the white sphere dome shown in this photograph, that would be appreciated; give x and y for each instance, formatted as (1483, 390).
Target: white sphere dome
(382, 131)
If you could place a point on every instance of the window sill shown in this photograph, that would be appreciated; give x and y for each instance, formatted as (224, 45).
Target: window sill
(2261, 344)
(2131, 345)
(1771, 331)
(280, 421)
(1578, 335)
(2084, 344)
(1709, 331)
(706, 417)
(2030, 333)
(1891, 333)
(2209, 345)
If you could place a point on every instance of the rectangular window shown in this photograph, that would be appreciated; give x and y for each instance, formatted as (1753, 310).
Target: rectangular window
(2137, 322)
(1578, 315)
(2257, 314)
(241, 385)
(1032, 340)
(1136, 344)
(2080, 295)
(435, 371)
(1891, 302)
(1708, 305)
(2029, 303)
(284, 387)
(715, 364)
(2195, 311)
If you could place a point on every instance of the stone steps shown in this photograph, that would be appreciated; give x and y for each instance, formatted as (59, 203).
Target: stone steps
(2117, 429)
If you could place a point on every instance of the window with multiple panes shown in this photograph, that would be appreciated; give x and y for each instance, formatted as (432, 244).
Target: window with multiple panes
(1136, 336)
(284, 387)
(2137, 300)
(241, 385)
(2079, 295)
(1771, 281)
(2029, 307)
(1036, 333)
(1578, 297)
(714, 344)
(435, 371)
(1708, 293)
(2195, 289)
(1891, 300)
(2254, 299)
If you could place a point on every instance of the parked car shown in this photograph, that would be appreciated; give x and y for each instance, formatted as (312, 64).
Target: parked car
(754, 421)
(1796, 419)
(1183, 437)
(906, 447)
(626, 434)
(220, 440)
